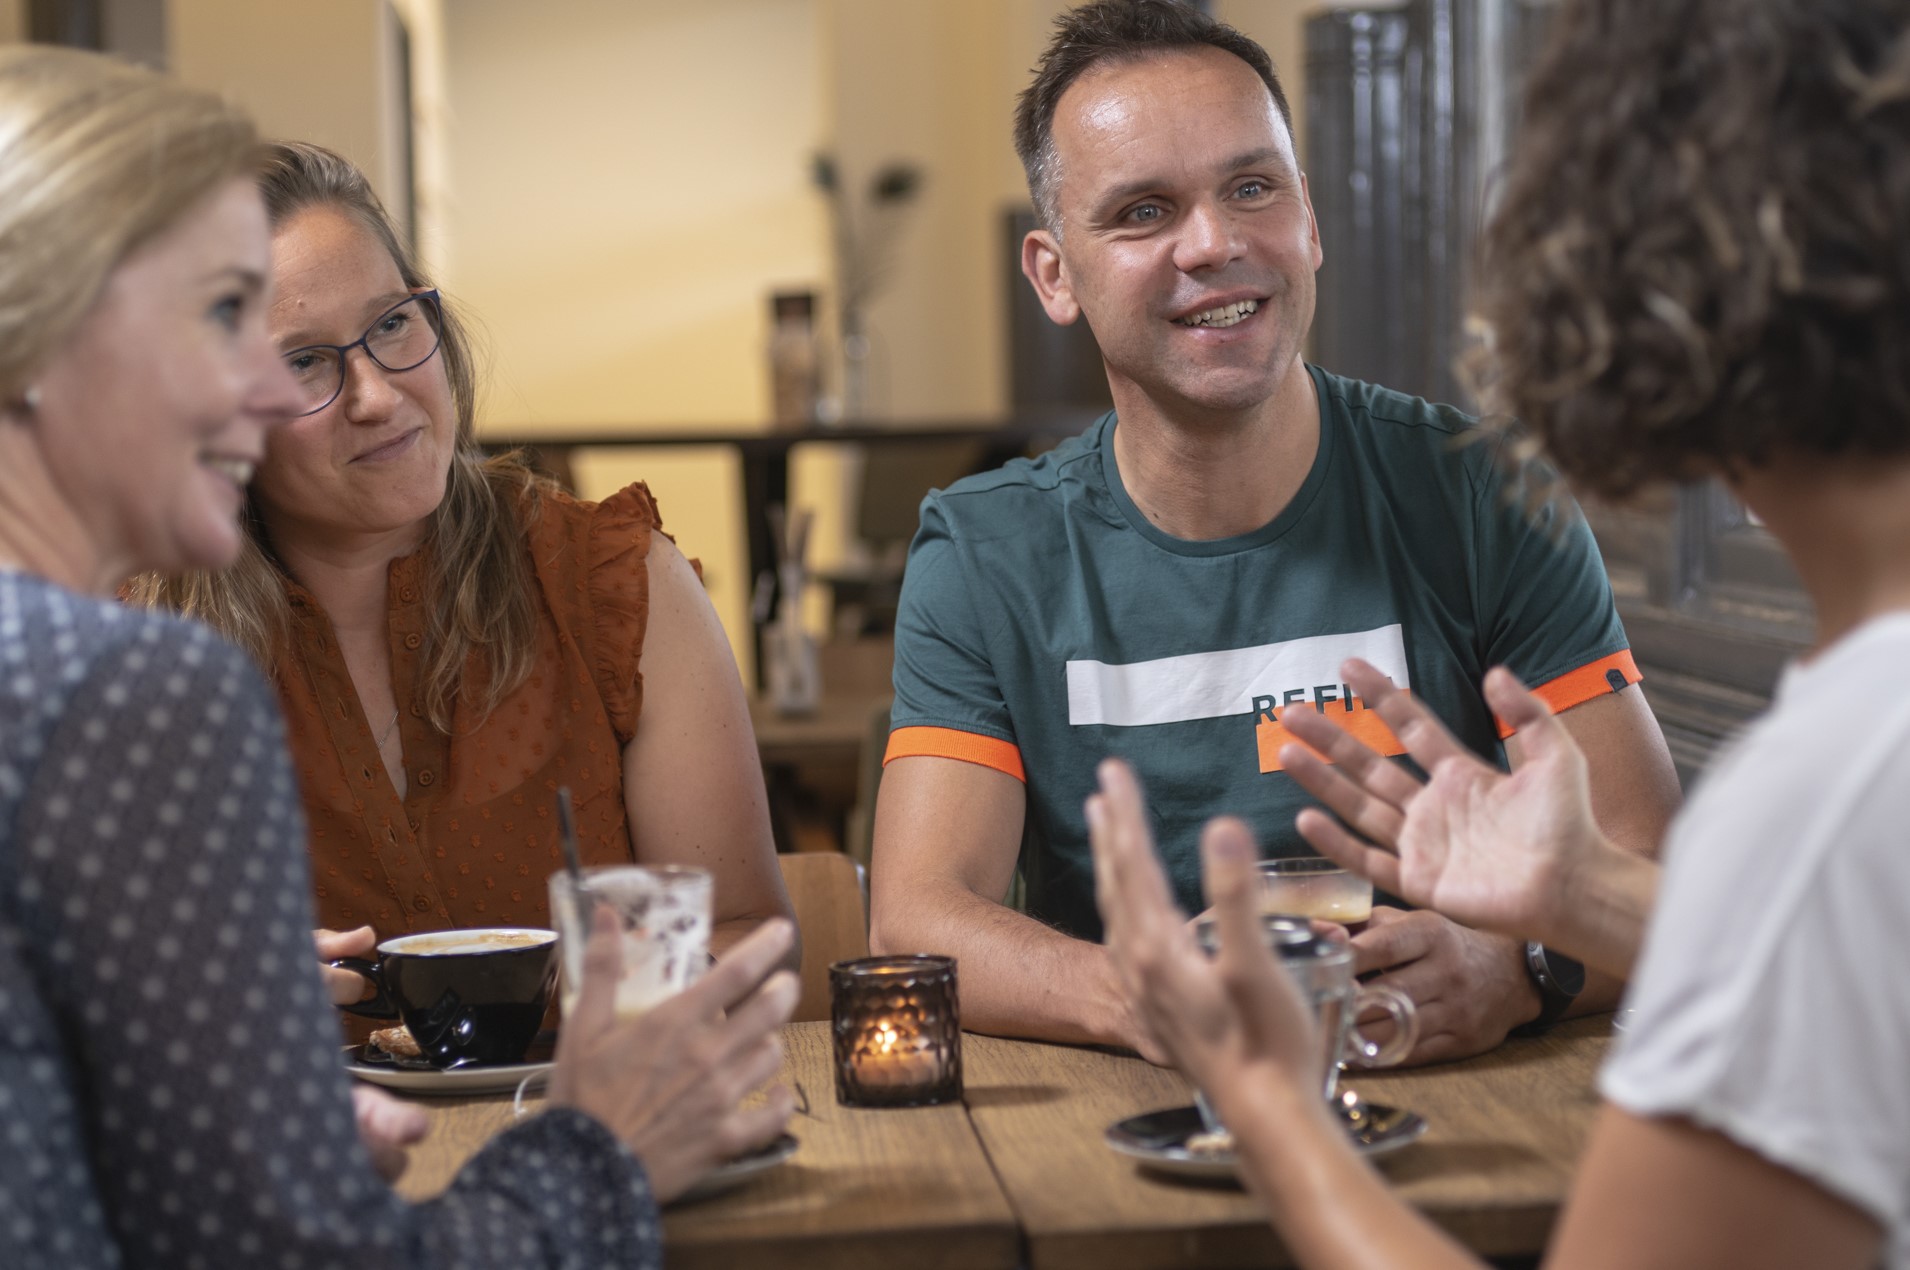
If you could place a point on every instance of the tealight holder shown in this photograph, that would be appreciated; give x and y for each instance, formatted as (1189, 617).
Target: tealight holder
(898, 1034)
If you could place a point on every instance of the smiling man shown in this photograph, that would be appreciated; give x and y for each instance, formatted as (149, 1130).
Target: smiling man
(1166, 586)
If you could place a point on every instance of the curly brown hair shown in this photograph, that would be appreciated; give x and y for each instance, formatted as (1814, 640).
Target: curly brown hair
(1115, 31)
(1701, 261)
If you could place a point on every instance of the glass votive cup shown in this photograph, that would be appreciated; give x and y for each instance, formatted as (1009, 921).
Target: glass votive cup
(898, 1034)
(664, 914)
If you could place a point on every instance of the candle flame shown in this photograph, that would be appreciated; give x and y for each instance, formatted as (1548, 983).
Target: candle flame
(885, 1038)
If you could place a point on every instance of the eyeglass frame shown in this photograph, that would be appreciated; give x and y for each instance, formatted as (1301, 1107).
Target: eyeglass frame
(363, 341)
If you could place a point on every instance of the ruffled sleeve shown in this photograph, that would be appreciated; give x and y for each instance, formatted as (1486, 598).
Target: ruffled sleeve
(591, 558)
(620, 601)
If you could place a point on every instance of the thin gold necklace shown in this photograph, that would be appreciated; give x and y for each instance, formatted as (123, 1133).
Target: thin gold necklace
(388, 728)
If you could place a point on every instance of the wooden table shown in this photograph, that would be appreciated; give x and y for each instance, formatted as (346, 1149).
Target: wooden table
(876, 1189)
(1505, 1132)
(1020, 1175)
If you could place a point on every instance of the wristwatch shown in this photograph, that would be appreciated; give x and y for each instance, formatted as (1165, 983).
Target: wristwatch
(1559, 980)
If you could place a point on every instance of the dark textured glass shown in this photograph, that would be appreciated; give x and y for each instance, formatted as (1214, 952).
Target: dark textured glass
(898, 1031)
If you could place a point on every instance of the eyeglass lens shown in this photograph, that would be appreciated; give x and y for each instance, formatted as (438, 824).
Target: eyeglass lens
(403, 338)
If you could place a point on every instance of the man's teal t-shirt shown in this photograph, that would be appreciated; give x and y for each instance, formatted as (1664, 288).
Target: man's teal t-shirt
(1045, 624)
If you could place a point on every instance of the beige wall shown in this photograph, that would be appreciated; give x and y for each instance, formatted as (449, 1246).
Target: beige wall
(920, 82)
(322, 75)
(629, 182)
(13, 21)
(630, 185)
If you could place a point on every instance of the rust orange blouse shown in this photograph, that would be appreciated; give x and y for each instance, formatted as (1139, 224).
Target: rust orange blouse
(474, 840)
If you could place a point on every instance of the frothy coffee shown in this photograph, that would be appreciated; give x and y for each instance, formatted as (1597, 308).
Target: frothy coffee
(452, 943)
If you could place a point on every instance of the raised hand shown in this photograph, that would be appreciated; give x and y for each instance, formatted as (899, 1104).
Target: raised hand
(1230, 1023)
(670, 1082)
(1489, 850)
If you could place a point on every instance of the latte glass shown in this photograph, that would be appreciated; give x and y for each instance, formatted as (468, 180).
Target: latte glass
(664, 913)
(1323, 972)
(1313, 886)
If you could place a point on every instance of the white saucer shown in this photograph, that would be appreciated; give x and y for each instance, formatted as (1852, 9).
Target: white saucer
(1159, 1138)
(727, 1177)
(457, 1082)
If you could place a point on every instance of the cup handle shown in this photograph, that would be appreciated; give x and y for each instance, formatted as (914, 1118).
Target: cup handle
(1405, 1027)
(380, 1006)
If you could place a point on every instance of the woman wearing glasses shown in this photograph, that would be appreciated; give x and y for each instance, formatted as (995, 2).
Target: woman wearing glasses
(453, 639)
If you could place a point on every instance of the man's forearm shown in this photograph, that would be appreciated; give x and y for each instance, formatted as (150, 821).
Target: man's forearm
(1018, 977)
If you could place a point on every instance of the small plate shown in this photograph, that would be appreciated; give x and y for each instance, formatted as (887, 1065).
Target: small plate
(727, 1177)
(375, 1067)
(1159, 1138)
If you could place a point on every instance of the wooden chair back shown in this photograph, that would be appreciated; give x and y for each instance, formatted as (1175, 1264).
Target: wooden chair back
(825, 888)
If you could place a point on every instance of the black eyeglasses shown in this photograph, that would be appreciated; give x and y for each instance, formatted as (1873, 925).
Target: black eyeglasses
(404, 337)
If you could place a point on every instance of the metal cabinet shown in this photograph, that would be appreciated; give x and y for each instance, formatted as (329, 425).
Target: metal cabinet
(1410, 113)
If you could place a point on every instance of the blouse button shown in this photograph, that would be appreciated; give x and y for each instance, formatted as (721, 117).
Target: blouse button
(420, 903)
(407, 593)
(425, 777)
(413, 822)
(417, 711)
(413, 640)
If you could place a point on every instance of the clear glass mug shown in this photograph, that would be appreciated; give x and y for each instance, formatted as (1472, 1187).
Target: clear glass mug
(1323, 972)
(664, 913)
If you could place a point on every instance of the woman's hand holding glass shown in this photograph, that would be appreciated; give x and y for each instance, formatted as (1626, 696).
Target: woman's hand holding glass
(1518, 854)
(670, 1082)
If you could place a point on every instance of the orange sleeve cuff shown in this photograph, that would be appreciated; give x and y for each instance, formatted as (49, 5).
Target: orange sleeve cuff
(1576, 687)
(968, 747)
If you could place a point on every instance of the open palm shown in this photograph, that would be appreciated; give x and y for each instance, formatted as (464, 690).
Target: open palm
(1486, 849)
(1231, 1021)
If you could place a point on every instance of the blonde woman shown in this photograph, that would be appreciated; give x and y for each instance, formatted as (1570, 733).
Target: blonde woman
(453, 640)
(169, 1075)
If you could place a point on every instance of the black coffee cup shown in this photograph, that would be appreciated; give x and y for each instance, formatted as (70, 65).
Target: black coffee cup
(467, 996)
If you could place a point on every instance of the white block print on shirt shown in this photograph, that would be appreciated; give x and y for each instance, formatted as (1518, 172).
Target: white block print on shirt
(1264, 681)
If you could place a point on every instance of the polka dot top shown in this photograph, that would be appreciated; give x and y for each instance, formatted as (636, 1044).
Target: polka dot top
(474, 840)
(171, 1092)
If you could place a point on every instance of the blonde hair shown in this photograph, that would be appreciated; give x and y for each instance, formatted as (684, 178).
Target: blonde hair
(478, 579)
(96, 159)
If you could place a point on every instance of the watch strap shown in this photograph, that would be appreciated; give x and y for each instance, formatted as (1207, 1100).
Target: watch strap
(1559, 980)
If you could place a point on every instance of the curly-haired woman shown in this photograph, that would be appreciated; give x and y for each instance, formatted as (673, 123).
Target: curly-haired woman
(1700, 268)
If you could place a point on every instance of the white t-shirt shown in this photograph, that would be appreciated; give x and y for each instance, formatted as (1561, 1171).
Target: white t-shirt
(1772, 998)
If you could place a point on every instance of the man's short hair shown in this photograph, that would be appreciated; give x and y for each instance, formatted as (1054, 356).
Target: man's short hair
(1698, 263)
(1115, 31)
